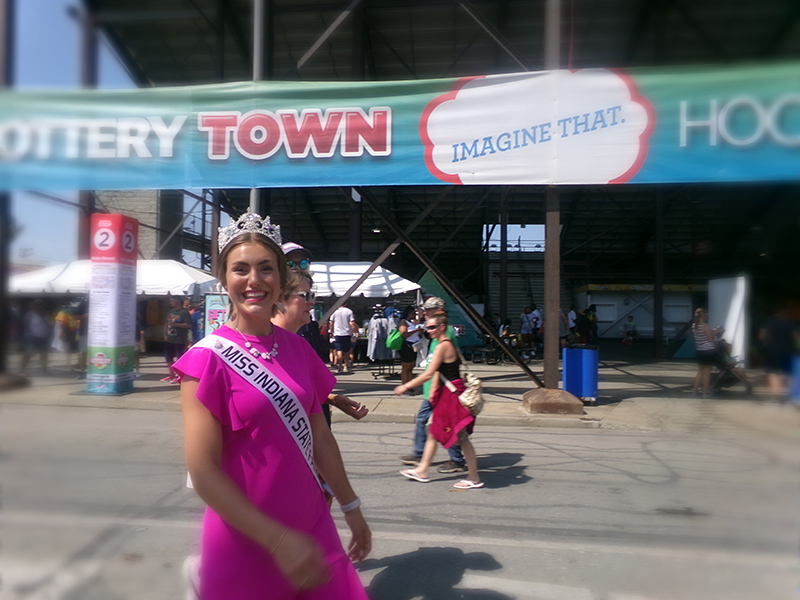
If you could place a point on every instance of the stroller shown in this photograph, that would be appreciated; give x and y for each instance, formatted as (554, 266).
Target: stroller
(731, 371)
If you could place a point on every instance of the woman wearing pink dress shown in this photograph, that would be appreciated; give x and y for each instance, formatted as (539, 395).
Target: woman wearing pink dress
(251, 396)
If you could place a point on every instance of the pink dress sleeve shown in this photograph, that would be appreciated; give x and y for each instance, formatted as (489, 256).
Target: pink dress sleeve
(214, 388)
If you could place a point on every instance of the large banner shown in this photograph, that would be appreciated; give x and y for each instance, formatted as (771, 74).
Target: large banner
(591, 126)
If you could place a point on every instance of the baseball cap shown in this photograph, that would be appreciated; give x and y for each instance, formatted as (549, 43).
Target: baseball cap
(433, 302)
(292, 247)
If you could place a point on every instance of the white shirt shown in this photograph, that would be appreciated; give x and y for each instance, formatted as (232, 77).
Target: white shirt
(341, 321)
(528, 322)
(416, 328)
(571, 316)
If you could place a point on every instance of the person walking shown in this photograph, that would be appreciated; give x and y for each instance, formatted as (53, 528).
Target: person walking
(344, 325)
(176, 336)
(779, 338)
(527, 322)
(255, 438)
(81, 314)
(451, 422)
(409, 329)
(37, 331)
(432, 307)
(705, 351)
(292, 314)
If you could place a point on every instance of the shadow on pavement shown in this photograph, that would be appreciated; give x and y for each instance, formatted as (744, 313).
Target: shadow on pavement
(499, 470)
(429, 574)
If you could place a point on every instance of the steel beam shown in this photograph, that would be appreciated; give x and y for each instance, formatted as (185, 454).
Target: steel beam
(386, 253)
(451, 289)
(324, 37)
(495, 34)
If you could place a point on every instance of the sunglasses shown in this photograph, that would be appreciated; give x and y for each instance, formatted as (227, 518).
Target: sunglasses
(431, 327)
(302, 265)
(307, 296)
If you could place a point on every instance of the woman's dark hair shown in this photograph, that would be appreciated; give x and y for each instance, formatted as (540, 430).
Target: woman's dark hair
(409, 312)
(698, 315)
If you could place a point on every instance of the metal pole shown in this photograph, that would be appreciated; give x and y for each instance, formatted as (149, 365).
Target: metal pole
(258, 73)
(658, 284)
(86, 198)
(6, 80)
(355, 225)
(258, 40)
(552, 244)
(552, 287)
(215, 231)
(503, 258)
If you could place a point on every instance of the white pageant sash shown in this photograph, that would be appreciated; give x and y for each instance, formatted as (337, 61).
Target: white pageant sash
(281, 398)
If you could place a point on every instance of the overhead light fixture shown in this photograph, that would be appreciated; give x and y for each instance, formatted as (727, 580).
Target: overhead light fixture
(376, 230)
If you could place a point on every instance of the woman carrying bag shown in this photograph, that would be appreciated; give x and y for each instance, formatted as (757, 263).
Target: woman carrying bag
(451, 422)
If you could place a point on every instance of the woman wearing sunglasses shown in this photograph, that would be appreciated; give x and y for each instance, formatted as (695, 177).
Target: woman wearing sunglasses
(451, 422)
(292, 313)
(297, 257)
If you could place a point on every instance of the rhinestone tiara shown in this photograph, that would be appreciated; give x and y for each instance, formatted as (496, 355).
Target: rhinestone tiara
(248, 223)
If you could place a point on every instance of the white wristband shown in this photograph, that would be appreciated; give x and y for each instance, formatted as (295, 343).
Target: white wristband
(346, 508)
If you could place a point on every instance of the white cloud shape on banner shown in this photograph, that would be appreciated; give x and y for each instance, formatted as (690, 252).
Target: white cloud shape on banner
(588, 126)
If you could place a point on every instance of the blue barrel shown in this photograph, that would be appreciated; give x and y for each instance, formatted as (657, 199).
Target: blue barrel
(579, 371)
(794, 382)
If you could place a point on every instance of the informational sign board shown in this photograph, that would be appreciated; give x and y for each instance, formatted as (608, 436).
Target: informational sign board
(216, 312)
(112, 304)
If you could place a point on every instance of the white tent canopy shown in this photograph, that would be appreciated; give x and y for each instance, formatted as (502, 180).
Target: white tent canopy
(335, 278)
(163, 277)
(153, 278)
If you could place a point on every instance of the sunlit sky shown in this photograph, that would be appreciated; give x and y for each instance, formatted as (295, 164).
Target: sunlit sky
(48, 56)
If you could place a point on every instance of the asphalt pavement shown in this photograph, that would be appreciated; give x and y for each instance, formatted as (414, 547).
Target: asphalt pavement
(652, 494)
(636, 392)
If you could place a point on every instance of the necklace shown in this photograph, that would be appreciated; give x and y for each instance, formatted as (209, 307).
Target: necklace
(255, 352)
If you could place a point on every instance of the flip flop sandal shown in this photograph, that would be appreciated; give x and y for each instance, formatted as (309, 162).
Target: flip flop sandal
(412, 474)
(466, 484)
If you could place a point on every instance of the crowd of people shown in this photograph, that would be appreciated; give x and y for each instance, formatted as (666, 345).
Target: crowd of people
(256, 396)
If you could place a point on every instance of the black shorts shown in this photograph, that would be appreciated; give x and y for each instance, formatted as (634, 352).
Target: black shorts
(707, 357)
(778, 363)
(38, 344)
(342, 343)
(173, 352)
(407, 353)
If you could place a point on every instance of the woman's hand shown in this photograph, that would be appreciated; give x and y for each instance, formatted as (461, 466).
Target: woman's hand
(350, 407)
(361, 543)
(301, 560)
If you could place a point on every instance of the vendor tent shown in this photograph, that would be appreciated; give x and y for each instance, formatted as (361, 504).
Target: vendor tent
(335, 278)
(153, 278)
(162, 277)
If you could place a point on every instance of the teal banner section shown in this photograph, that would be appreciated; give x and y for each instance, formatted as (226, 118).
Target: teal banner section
(591, 126)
